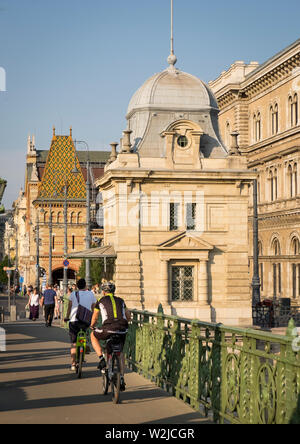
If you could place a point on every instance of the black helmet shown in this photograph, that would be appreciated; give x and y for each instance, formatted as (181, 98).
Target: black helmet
(108, 287)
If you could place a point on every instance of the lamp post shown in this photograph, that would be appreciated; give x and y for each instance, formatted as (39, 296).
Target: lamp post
(88, 215)
(256, 279)
(50, 280)
(65, 278)
(37, 240)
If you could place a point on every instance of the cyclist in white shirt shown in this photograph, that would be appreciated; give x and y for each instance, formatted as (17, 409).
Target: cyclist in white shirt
(87, 299)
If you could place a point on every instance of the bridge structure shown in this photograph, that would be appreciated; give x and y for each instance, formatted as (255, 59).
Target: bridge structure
(240, 376)
(180, 371)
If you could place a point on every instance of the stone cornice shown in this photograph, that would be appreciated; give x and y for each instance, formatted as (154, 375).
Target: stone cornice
(266, 76)
(143, 175)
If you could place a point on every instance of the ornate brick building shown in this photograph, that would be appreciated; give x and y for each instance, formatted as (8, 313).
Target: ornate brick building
(55, 179)
(261, 104)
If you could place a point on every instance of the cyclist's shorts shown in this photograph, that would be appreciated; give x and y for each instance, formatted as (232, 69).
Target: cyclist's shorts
(104, 333)
(74, 329)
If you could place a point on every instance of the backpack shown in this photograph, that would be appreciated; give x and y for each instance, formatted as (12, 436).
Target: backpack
(83, 314)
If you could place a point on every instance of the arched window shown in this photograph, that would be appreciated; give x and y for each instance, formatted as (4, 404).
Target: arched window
(45, 217)
(295, 247)
(79, 218)
(276, 247)
(290, 181)
(276, 269)
(257, 127)
(293, 110)
(295, 251)
(72, 218)
(295, 171)
(274, 119)
(59, 218)
(273, 185)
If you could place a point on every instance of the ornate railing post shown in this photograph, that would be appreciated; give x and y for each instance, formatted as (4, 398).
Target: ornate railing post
(194, 368)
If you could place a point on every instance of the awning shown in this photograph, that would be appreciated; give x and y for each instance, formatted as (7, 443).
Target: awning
(94, 253)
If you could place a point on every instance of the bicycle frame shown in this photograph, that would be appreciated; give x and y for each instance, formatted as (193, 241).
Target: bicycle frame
(80, 350)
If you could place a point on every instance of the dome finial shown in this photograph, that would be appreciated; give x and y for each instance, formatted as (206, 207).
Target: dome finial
(172, 59)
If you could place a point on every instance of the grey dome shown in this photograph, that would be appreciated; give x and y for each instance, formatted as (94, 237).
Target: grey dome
(173, 89)
(166, 97)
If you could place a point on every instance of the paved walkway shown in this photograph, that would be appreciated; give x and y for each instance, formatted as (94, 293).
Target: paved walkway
(37, 387)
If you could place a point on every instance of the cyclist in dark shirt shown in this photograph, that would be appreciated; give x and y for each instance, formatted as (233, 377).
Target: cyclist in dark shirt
(115, 318)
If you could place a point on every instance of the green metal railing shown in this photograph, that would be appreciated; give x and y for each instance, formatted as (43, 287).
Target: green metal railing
(236, 375)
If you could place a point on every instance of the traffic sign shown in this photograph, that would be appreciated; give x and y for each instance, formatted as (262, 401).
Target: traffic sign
(66, 263)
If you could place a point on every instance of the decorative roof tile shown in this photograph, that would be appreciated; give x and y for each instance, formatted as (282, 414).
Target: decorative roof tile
(58, 172)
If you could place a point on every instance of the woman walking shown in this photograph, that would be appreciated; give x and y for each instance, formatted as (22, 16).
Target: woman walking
(34, 304)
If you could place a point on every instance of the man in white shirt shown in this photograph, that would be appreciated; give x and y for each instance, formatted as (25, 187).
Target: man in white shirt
(87, 299)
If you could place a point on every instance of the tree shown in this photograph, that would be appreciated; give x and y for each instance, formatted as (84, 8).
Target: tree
(97, 270)
(3, 275)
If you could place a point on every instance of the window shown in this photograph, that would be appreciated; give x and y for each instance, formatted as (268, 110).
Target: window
(293, 110)
(183, 283)
(276, 247)
(182, 141)
(53, 242)
(174, 215)
(191, 216)
(273, 185)
(295, 250)
(292, 175)
(59, 218)
(274, 119)
(73, 242)
(276, 269)
(257, 127)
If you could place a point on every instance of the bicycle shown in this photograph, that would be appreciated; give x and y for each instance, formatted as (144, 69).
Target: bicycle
(81, 343)
(112, 375)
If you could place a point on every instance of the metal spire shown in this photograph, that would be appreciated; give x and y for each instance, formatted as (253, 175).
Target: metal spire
(172, 59)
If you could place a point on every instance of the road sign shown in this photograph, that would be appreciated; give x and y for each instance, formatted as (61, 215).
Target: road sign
(66, 263)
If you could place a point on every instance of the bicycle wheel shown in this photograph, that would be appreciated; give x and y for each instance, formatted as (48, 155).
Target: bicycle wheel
(80, 363)
(116, 379)
(104, 383)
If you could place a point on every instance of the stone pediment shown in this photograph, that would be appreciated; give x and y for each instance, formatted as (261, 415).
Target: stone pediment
(186, 241)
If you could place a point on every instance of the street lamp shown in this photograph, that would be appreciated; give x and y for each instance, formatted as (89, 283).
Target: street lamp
(256, 278)
(37, 240)
(50, 280)
(88, 214)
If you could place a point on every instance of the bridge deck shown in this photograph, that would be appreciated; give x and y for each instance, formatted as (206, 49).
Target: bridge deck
(36, 386)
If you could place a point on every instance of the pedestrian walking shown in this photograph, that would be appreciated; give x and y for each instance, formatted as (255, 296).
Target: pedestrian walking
(58, 302)
(48, 301)
(34, 304)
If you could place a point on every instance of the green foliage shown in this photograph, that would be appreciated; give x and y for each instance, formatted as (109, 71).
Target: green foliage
(3, 275)
(97, 270)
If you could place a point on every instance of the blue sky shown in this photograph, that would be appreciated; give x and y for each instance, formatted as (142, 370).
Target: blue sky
(75, 62)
